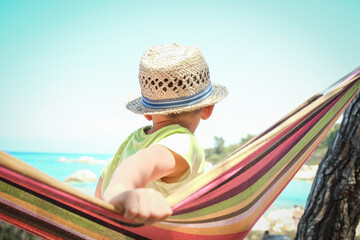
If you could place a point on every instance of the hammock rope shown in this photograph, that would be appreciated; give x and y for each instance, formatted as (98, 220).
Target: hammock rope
(223, 203)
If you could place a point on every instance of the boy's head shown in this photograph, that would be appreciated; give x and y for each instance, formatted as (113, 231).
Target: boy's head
(174, 79)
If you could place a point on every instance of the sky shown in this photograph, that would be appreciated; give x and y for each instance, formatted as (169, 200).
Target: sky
(67, 67)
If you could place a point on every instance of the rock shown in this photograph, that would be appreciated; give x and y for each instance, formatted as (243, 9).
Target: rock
(268, 236)
(306, 172)
(64, 159)
(279, 220)
(90, 160)
(83, 175)
(262, 224)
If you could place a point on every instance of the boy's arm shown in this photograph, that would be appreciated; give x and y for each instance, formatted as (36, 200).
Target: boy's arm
(126, 188)
(98, 188)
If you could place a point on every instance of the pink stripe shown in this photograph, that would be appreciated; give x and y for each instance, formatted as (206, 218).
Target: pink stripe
(231, 220)
(253, 170)
(351, 75)
(303, 162)
(82, 205)
(163, 234)
(251, 210)
(58, 195)
(197, 197)
(190, 200)
(38, 216)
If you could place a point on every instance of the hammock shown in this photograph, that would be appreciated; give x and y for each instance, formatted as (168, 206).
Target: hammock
(223, 203)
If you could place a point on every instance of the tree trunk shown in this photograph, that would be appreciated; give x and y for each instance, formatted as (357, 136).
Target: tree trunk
(333, 207)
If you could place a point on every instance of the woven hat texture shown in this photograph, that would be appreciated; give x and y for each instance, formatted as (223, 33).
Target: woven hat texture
(174, 79)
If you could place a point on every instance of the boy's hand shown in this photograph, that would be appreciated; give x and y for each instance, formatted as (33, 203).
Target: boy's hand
(143, 205)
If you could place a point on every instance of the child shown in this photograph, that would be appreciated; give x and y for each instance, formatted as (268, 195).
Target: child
(154, 161)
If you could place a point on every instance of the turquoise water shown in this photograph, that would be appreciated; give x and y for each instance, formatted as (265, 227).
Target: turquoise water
(50, 164)
(294, 194)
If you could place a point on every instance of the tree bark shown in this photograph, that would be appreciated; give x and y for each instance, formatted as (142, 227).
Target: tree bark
(332, 210)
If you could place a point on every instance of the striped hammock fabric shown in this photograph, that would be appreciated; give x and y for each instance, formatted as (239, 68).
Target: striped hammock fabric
(223, 203)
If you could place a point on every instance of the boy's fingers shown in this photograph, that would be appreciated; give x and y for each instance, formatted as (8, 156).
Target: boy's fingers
(160, 208)
(153, 207)
(148, 201)
(130, 213)
(150, 221)
(144, 211)
(131, 205)
(142, 205)
(141, 218)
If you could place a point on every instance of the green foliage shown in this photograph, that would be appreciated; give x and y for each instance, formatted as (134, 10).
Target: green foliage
(321, 150)
(9, 232)
(246, 139)
(220, 151)
(219, 145)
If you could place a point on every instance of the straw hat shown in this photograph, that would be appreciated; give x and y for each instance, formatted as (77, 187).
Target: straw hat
(174, 79)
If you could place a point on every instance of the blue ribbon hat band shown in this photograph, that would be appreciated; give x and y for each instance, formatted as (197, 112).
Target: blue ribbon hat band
(178, 102)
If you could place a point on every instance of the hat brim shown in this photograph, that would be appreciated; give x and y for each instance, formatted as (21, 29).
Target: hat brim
(135, 105)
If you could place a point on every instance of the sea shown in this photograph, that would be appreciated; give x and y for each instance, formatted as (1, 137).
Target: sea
(62, 165)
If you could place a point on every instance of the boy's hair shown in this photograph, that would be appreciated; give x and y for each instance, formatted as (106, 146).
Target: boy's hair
(175, 115)
(174, 79)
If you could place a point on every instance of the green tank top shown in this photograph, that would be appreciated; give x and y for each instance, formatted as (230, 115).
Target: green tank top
(174, 137)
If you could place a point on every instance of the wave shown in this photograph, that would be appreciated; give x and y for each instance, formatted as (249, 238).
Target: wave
(83, 159)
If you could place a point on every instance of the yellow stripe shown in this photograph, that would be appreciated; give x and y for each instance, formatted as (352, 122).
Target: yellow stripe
(246, 224)
(232, 209)
(64, 222)
(198, 183)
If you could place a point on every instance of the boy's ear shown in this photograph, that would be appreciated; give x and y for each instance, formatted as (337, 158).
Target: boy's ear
(207, 111)
(148, 117)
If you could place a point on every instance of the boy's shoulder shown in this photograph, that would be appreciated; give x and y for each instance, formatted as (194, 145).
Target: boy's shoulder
(162, 133)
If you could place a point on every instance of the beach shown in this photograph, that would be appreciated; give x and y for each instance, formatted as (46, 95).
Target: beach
(283, 220)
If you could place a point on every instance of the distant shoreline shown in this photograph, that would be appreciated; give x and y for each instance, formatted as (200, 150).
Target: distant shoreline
(306, 172)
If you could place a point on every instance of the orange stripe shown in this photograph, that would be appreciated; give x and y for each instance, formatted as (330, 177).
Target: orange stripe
(246, 224)
(198, 183)
(63, 221)
(229, 210)
(242, 225)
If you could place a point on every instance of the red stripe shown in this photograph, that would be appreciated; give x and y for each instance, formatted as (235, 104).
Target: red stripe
(190, 201)
(28, 228)
(163, 234)
(253, 174)
(241, 182)
(59, 196)
(81, 207)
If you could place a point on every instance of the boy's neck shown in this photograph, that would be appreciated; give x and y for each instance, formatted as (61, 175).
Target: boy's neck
(187, 121)
(160, 124)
